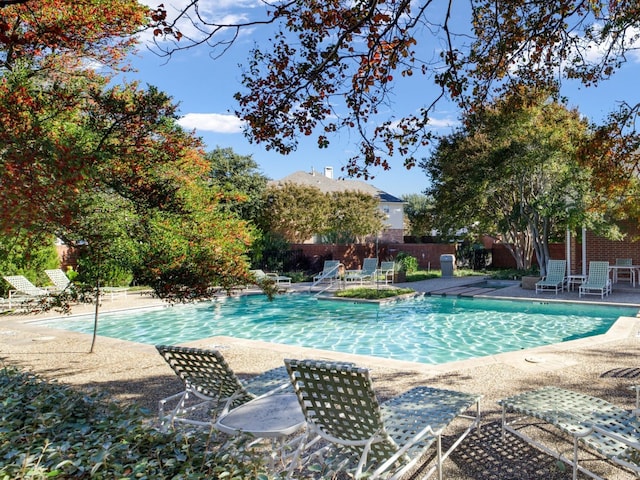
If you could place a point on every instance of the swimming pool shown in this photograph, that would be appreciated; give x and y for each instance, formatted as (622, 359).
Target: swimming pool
(430, 330)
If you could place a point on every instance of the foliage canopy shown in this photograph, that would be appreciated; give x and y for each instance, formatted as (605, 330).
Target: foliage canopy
(106, 168)
(330, 65)
(298, 212)
(513, 172)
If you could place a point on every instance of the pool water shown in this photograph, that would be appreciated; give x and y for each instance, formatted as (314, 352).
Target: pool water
(429, 330)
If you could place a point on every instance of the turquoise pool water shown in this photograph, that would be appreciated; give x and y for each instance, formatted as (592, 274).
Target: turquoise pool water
(430, 330)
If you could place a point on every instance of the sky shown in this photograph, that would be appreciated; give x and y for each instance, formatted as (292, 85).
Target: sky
(203, 87)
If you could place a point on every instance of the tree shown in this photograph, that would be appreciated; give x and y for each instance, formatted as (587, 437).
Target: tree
(419, 210)
(352, 217)
(332, 65)
(296, 212)
(48, 51)
(107, 168)
(27, 254)
(513, 171)
(238, 175)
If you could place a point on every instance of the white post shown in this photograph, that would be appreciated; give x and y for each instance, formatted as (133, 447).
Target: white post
(584, 250)
(568, 250)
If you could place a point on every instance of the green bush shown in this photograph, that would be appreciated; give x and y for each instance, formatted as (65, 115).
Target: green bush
(111, 275)
(51, 431)
(28, 255)
(406, 263)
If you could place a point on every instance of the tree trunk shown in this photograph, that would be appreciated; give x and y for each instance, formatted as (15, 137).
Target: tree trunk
(95, 317)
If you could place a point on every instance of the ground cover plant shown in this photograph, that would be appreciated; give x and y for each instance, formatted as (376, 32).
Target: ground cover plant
(48, 430)
(369, 293)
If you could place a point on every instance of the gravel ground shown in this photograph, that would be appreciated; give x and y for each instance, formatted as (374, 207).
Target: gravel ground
(603, 366)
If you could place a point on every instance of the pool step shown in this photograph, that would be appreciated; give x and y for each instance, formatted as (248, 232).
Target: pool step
(463, 291)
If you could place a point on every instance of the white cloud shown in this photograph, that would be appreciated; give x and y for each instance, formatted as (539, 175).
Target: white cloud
(213, 12)
(445, 122)
(595, 52)
(212, 122)
(433, 123)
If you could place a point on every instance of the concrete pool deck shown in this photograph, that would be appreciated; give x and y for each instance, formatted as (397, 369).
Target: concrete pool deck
(604, 366)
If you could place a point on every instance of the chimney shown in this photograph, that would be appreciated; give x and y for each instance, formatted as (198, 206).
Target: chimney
(328, 172)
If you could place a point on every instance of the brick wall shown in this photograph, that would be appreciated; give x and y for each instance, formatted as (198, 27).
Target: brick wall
(502, 258)
(599, 248)
(68, 257)
(428, 254)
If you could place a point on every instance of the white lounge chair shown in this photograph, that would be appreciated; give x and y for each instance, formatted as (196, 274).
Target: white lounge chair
(330, 272)
(598, 281)
(556, 277)
(366, 274)
(624, 273)
(23, 290)
(274, 277)
(364, 437)
(59, 279)
(386, 272)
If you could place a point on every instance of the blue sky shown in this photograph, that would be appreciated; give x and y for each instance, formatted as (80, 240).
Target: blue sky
(204, 89)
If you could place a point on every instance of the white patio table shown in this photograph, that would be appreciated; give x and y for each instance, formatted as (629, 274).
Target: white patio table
(633, 271)
(274, 416)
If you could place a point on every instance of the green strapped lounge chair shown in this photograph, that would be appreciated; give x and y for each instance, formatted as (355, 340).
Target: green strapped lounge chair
(589, 422)
(369, 268)
(363, 437)
(598, 281)
(556, 277)
(210, 384)
(624, 273)
(386, 272)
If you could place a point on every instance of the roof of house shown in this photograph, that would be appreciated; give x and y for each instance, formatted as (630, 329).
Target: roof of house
(328, 185)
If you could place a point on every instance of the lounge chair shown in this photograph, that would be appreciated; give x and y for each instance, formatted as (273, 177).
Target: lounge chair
(59, 279)
(330, 272)
(598, 281)
(273, 277)
(210, 385)
(590, 422)
(366, 274)
(367, 438)
(625, 271)
(556, 277)
(386, 272)
(23, 289)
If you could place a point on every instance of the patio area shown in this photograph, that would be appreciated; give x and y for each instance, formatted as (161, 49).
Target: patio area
(603, 366)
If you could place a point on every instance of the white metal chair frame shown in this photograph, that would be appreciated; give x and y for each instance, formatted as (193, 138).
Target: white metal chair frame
(598, 281)
(556, 277)
(210, 384)
(589, 422)
(364, 437)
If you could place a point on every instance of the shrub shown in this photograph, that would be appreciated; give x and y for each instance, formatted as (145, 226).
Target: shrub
(22, 254)
(406, 263)
(51, 431)
(372, 293)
